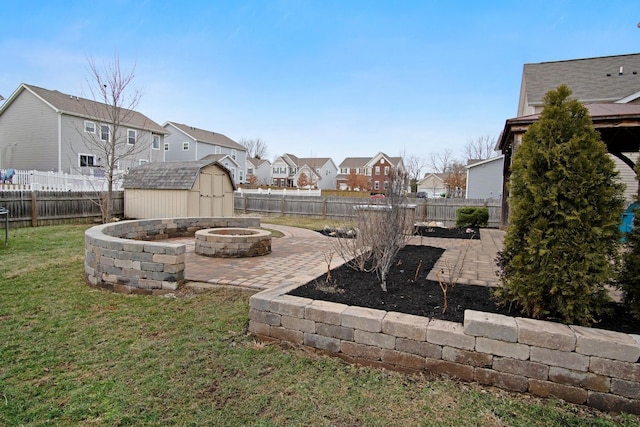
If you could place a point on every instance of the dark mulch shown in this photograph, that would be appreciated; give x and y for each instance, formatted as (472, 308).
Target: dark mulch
(409, 294)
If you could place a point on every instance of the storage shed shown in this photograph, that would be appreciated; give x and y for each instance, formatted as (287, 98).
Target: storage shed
(179, 189)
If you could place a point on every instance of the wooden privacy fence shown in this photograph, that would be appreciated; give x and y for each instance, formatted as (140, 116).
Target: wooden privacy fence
(342, 208)
(34, 208)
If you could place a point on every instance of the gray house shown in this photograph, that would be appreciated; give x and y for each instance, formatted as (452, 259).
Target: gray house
(484, 178)
(186, 143)
(47, 130)
(260, 169)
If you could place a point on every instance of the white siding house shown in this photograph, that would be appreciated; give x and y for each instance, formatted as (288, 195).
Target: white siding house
(484, 179)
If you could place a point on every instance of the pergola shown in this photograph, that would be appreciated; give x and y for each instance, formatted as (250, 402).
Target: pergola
(618, 124)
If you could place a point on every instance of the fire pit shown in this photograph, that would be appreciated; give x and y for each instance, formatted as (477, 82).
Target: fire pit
(232, 242)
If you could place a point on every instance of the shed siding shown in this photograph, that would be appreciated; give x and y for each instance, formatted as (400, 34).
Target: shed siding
(485, 181)
(28, 135)
(155, 203)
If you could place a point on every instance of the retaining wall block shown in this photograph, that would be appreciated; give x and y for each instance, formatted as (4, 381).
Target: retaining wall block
(322, 342)
(503, 380)
(573, 361)
(612, 403)
(587, 380)
(298, 324)
(365, 319)
(625, 388)
(445, 333)
(616, 369)
(360, 350)
(405, 326)
(374, 339)
(540, 333)
(419, 348)
(399, 358)
(606, 344)
(334, 331)
(289, 305)
(466, 357)
(325, 312)
(502, 348)
(265, 317)
(525, 368)
(490, 325)
(452, 369)
(565, 392)
(259, 328)
(284, 334)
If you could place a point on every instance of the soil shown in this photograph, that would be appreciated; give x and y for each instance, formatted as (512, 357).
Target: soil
(408, 291)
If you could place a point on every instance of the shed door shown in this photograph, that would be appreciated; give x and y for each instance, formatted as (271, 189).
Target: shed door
(206, 194)
(218, 193)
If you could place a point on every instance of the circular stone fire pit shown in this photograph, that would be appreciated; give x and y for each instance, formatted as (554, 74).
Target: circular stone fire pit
(233, 242)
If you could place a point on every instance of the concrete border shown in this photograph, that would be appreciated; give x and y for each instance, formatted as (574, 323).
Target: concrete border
(127, 257)
(581, 365)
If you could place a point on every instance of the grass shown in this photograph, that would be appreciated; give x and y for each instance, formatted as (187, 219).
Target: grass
(72, 355)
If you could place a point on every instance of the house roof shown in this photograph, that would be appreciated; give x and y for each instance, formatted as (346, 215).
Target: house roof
(206, 136)
(257, 162)
(86, 108)
(168, 175)
(354, 162)
(475, 163)
(602, 79)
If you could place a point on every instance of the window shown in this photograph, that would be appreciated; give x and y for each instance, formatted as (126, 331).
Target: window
(249, 171)
(142, 161)
(87, 160)
(89, 127)
(386, 170)
(233, 154)
(217, 150)
(386, 185)
(166, 146)
(155, 142)
(185, 146)
(275, 181)
(344, 171)
(240, 176)
(376, 185)
(233, 173)
(105, 132)
(377, 170)
(131, 136)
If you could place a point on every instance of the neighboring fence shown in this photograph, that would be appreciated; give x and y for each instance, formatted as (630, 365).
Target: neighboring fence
(342, 208)
(34, 208)
(33, 180)
(281, 191)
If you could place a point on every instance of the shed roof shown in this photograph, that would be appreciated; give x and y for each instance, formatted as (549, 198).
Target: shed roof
(168, 175)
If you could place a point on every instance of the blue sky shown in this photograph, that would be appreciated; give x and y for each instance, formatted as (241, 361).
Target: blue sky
(317, 78)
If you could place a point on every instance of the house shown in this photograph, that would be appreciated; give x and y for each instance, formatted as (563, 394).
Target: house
(47, 130)
(433, 185)
(609, 87)
(201, 188)
(260, 169)
(184, 143)
(377, 168)
(315, 172)
(484, 178)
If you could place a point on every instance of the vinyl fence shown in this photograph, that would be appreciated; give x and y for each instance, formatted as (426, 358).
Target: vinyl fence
(342, 208)
(33, 180)
(35, 208)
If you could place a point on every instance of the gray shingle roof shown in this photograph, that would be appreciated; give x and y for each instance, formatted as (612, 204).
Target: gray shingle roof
(81, 107)
(208, 137)
(166, 176)
(590, 79)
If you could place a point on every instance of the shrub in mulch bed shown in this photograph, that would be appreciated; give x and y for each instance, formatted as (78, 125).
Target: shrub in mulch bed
(420, 230)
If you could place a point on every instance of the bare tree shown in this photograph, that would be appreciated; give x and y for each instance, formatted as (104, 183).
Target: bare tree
(114, 108)
(414, 166)
(481, 148)
(441, 162)
(256, 148)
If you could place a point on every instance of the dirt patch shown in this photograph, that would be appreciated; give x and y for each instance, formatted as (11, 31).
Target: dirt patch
(409, 291)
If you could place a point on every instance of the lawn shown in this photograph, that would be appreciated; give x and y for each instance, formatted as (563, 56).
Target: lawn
(73, 355)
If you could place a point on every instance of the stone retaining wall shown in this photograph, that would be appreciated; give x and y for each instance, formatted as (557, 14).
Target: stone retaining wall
(581, 365)
(128, 257)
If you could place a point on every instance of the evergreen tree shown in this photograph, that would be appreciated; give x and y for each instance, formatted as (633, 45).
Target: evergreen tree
(566, 205)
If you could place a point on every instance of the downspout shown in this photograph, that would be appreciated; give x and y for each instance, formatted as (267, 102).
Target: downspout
(59, 141)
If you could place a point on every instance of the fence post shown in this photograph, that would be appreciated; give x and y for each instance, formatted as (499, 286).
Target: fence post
(34, 209)
(282, 205)
(245, 203)
(324, 208)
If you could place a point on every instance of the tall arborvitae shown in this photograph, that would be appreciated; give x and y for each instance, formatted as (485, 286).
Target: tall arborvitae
(566, 205)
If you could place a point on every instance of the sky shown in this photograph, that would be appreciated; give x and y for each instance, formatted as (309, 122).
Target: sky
(315, 78)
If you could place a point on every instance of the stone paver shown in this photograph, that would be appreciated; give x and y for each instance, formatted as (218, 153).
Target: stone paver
(299, 256)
